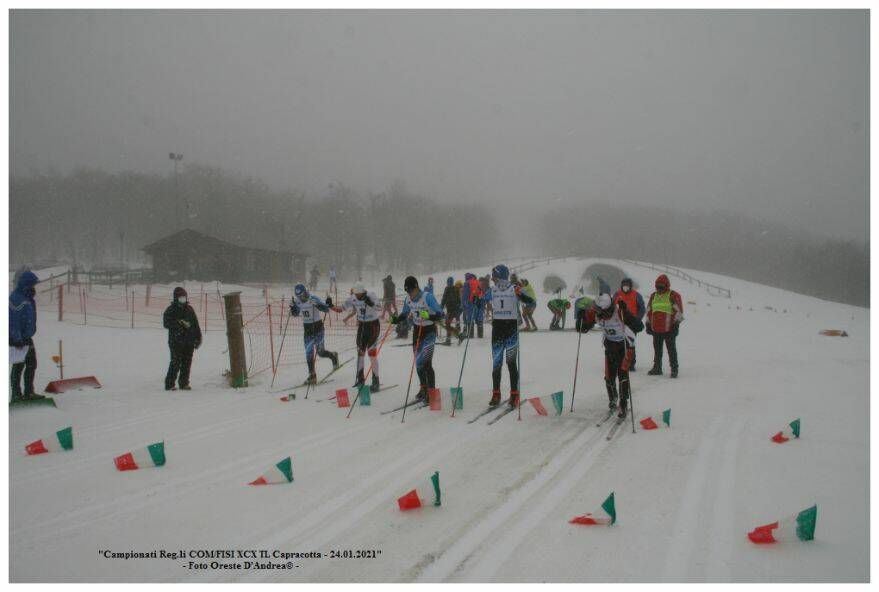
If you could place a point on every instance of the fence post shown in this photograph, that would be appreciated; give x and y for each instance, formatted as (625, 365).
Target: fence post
(146, 301)
(205, 298)
(68, 281)
(85, 315)
(271, 338)
(60, 303)
(132, 309)
(235, 339)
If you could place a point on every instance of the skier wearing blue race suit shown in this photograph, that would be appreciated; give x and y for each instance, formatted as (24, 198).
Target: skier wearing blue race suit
(425, 311)
(310, 308)
(505, 298)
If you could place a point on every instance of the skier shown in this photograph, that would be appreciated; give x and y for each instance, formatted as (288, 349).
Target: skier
(365, 304)
(22, 328)
(619, 326)
(184, 337)
(315, 275)
(310, 307)
(634, 302)
(559, 307)
(451, 303)
(505, 298)
(333, 287)
(529, 308)
(580, 305)
(665, 311)
(425, 312)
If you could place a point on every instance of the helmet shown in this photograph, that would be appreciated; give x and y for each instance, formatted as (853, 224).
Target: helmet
(359, 288)
(501, 272)
(299, 289)
(604, 302)
(410, 283)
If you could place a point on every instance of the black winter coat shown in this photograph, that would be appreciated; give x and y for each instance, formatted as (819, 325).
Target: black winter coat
(451, 300)
(175, 319)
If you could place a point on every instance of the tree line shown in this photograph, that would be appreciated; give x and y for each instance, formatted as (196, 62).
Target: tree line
(99, 219)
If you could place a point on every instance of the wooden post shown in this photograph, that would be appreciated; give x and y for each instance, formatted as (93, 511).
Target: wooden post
(68, 281)
(205, 298)
(132, 309)
(85, 316)
(61, 359)
(60, 303)
(235, 339)
(146, 301)
(271, 338)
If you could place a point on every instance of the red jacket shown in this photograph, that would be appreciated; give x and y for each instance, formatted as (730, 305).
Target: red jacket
(662, 322)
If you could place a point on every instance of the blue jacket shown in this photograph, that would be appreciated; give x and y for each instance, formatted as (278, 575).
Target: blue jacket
(23, 310)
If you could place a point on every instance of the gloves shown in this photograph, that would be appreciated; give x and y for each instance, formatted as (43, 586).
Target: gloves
(394, 319)
(185, 323)
(368, 301)
(675, 330)
(329, 301)
(424, 315)
(622, 305)
(649, 329)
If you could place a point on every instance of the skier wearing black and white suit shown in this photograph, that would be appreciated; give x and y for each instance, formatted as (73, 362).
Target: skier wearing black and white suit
(619, 326)
(310, 307)
(366, 304)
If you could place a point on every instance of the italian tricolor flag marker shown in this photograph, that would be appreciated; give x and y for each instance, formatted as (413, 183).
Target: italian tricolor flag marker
(411, 501)
(150, 456)
(61, 440)
(784, 435)
(557, 403)
(435, 399)
(800, 526)
(648, 424)
(280, 473)
(608, 517)
(342, 398)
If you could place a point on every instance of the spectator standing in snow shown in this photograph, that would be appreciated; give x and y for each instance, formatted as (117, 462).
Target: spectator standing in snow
(184, 337)
(529, 308)
(451, 303)
(665, 311)
(634, 303)
(22, 328)
(389, 297)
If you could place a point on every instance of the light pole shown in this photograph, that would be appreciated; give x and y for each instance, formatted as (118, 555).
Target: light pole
(176, 158)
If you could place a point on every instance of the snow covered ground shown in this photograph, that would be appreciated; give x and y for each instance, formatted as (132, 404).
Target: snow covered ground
(686, 496)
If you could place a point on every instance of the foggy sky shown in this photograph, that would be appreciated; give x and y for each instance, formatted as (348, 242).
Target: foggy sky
(759, 112)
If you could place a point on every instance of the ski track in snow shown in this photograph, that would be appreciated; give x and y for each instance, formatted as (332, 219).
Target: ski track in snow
(722, 535)
(453, 557)
(686, 526)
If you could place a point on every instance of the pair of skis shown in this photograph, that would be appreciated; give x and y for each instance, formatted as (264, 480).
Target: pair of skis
(324, 380)
(616, 424)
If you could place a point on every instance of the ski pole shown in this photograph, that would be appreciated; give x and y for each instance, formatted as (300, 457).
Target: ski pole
(519, 365)
(576, 369)
(626, 349)
(280, 349)
(412, 371)
(460, 376)
(366, 376)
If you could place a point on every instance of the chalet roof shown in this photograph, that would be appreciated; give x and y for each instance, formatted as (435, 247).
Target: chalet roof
(190, 235)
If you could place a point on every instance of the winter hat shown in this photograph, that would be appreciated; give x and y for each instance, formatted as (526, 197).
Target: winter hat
(179, 291)
(662, 282)
(603, 301)
(410, 283)
(359, 288)
(450, 281)
(26, 280)
(626, 282)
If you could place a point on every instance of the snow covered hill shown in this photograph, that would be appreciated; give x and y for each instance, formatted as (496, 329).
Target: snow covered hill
(686, 496)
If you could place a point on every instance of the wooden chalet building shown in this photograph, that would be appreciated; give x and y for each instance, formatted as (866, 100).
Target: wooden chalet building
(192, 255)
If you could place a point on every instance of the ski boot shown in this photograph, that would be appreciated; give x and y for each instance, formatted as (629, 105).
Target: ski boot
(360, 380)
(185, 387)
(655, 371)
(514, 399)
(495, 398)
(335, 358)
(33, 396)
(422, 395)
(376, 385)
(170, 388)
(479, 330)
(622, 413)
(312, 379)
(674, 372)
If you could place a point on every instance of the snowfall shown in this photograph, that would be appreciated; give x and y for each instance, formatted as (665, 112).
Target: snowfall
(686, 495)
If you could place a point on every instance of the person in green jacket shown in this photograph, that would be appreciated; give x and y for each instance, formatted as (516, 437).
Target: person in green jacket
(528, 309)
(559, 307)
(581, 304)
